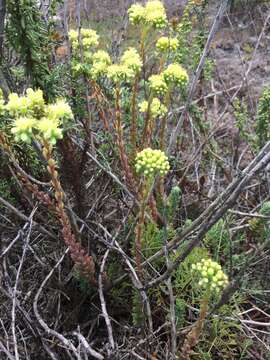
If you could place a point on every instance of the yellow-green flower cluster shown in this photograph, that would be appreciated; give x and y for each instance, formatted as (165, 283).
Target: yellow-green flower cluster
(59, 111)
(23, 129)
(49, 129)
(158, 84)
(101, 56)
(100, 62)
(156, 108)
(17, 105)
(132, 59)
(136, 14)
(129, 66)
(31, 116)
(176, 74)
(151, 162)
(165, 44)
(118, 73)
(89, 38)
(153, 13)
(35, 101)
(211, 275)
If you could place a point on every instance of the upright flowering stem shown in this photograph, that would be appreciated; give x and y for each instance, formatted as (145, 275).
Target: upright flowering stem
(162, 134)
(139, 227)
(146, 131)
(120, 139)
(150, 163)
(84, 263)
(133, 127)
(99, 96)
(142, 47)
(212, 280)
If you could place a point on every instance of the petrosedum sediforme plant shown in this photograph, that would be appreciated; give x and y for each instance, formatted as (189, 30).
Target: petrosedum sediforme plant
(211, 276)
(151, 162)
(152, 14)
(156, 108)
(32, 117)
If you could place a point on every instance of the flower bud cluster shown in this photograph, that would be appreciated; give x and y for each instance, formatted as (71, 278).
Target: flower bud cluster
(50, 130)
(158, 84)
(136, 14)
(100, 62)
(17, 105)
(129, 66)
(176, 74)
(153, 14)
(117, 73)
(151, 162)
(165, 44)
(156, 108)
(132, 59)
(31, 115)
(89, 38)
(211, 275)
(23, 129)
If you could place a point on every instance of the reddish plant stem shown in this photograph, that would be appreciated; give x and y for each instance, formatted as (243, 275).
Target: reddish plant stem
(120, 141)
(83, 262)
(139, 228)
(133, 127)
(193, 336)
(145, 140)
(33, 188)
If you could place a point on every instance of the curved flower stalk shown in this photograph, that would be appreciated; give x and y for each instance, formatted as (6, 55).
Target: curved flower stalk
(211, 280)
(36, 120)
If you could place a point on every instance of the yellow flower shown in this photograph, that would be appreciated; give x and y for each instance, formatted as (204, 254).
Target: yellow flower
(151, 162)
(59, 111)
(158, 85)
(132, 59)
(73, 35)
(118, 73)
(155, 14)
(175, 74)
(101, 59)
(136, 14)
(36, 101)
(165, 44)
(17, 105)
(101, 56)
(156, 108)
(89, 38)
(211, 275)
(23, 129)
(49, 130)
(98, 69)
